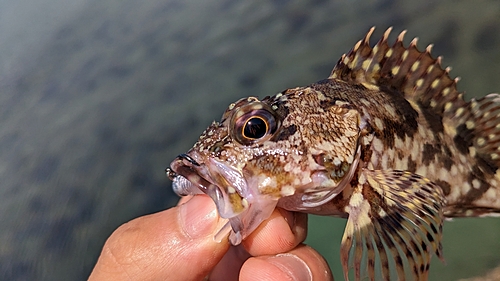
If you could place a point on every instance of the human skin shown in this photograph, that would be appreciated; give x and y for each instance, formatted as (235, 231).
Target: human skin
(178, 244)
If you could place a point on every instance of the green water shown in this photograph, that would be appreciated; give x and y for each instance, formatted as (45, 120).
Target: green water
(97, 98)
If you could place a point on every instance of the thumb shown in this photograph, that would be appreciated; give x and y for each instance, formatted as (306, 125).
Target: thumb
(176, 244)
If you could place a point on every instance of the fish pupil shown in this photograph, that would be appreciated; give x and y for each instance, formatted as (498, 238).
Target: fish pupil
(255, 128)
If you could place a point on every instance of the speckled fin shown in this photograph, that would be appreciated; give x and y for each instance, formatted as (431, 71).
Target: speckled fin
(475, 130)
(394, 226)
(397, 68)
(483, 121)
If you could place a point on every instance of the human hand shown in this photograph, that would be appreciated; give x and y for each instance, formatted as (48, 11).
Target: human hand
(178, 244)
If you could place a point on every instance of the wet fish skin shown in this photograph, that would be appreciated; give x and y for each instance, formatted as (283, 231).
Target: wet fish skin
(386, 141)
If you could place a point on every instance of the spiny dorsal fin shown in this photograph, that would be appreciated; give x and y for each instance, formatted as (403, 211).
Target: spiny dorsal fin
(416, 75)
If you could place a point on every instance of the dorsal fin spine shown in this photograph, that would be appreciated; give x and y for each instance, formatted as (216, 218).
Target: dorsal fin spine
(415, 74)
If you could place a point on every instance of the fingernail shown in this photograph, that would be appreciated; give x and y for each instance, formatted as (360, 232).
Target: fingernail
(292, 265)
(198, 217)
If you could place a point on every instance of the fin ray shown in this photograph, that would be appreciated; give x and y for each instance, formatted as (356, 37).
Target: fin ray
(398, 213)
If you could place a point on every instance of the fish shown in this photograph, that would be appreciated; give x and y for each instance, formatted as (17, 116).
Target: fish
(386, 141)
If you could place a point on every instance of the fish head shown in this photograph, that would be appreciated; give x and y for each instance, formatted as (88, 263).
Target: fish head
(290, 147)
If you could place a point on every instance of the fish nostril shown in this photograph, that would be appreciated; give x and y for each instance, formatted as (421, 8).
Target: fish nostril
(217, 147)
(188, 158)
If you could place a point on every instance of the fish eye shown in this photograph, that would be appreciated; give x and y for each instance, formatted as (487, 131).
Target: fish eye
(254, 126)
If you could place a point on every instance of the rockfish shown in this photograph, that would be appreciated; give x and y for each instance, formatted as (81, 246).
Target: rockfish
(385, 141)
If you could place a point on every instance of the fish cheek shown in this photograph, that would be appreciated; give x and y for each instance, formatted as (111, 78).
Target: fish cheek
(265, 177)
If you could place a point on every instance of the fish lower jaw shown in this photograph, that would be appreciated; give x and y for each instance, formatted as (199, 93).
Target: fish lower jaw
(245, 223)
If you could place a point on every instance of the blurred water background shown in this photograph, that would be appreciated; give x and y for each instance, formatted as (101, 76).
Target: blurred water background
(98, 96)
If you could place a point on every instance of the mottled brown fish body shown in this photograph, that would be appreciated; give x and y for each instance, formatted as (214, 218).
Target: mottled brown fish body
(386, 141)
(407, 136)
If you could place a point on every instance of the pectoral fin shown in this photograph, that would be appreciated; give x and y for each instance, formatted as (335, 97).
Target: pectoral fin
(394, 226)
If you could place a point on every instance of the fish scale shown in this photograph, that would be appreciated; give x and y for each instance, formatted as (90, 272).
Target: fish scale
(385, 141)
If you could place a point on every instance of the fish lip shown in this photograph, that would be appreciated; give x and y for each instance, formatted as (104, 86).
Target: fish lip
(212, 177)
(187, 167)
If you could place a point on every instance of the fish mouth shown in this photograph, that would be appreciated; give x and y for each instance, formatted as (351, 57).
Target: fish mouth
(191, 174)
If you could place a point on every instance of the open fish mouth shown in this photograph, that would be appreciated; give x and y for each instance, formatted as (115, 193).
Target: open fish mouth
(244, 208)
(225, 185)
